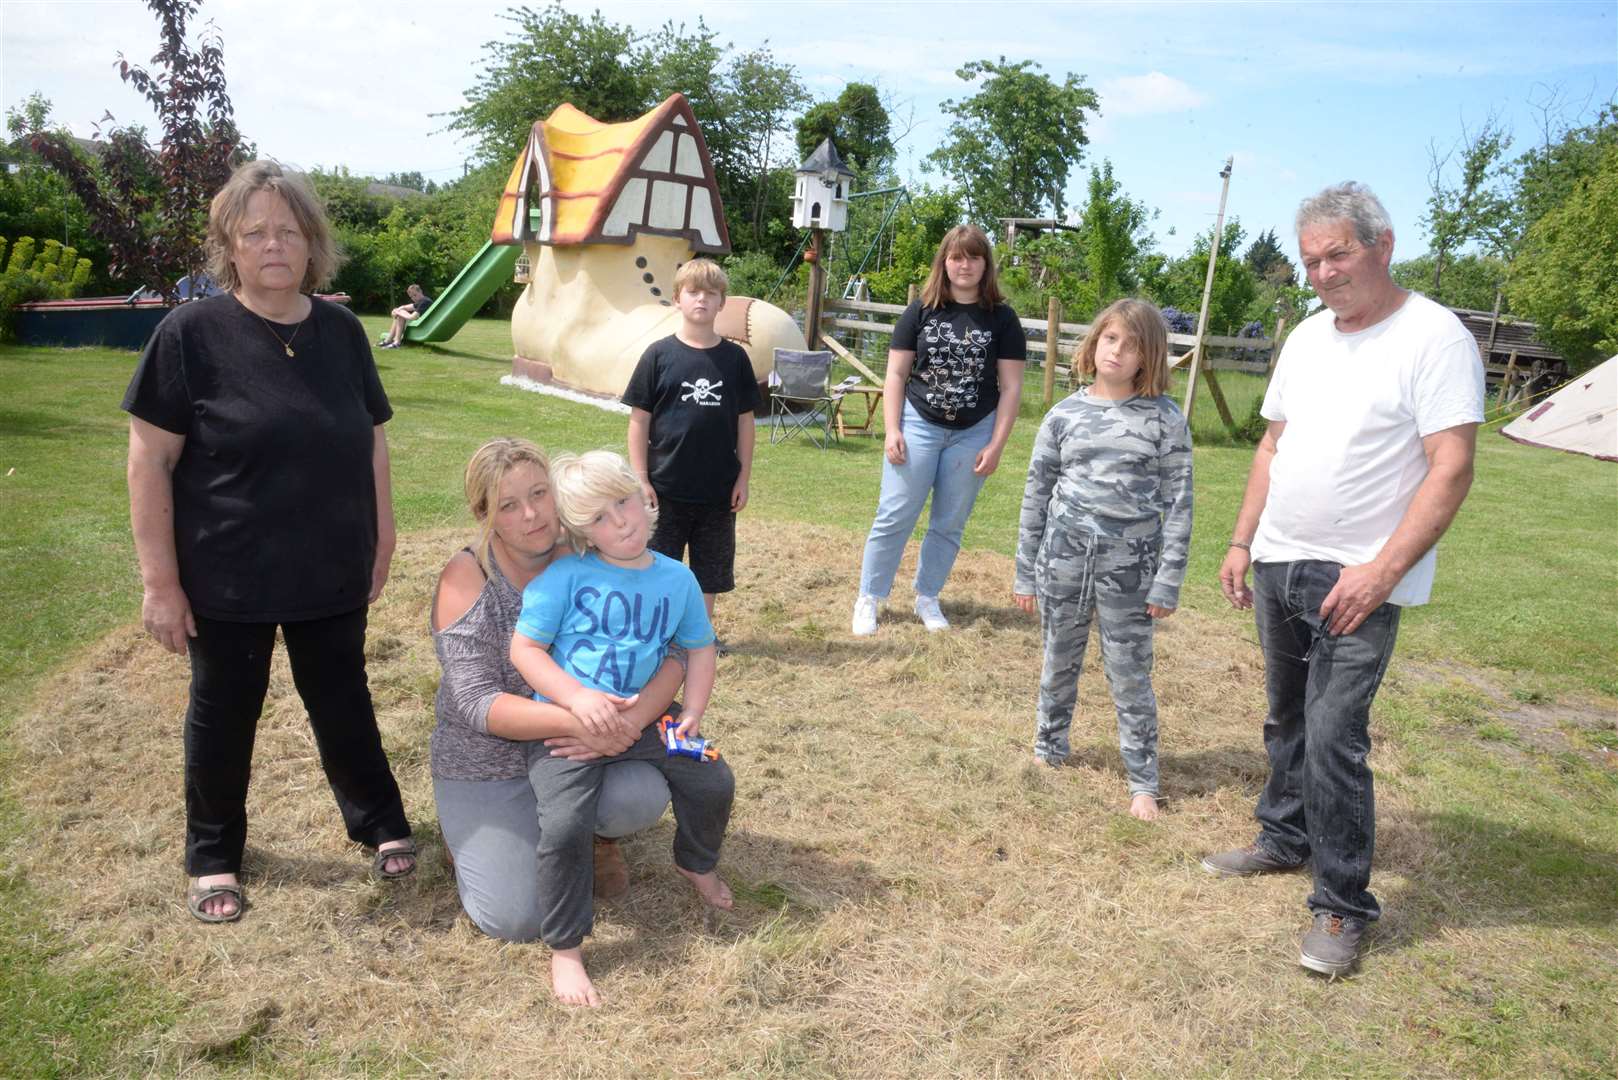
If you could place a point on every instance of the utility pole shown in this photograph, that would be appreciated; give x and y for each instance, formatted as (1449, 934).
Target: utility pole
(1207, 293)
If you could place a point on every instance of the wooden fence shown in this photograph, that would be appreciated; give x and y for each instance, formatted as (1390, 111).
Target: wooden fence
(863, 319)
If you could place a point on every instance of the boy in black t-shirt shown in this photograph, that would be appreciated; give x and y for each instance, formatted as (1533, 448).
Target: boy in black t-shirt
(692, 397)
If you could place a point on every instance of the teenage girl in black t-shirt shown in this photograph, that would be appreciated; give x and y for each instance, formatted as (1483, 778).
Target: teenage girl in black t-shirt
(953, 385)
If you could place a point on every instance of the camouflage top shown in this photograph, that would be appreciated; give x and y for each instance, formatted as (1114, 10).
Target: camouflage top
(1111, 468)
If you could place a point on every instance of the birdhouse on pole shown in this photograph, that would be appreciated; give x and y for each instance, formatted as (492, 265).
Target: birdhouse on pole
(820, 200)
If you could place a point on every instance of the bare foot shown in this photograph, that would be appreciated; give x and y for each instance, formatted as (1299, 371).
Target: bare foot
(569, 982)
(1144, 807)
(712, 890)
(225, 905)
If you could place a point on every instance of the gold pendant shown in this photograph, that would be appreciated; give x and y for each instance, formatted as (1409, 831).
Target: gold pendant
(288, 348)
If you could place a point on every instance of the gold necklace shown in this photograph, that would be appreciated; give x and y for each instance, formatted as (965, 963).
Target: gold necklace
(287, 344)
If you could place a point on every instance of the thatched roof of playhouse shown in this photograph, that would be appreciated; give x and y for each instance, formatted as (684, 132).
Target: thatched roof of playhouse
(595, 183)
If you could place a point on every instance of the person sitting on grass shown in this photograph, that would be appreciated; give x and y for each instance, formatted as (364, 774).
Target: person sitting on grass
(404, 315)
(594, 628)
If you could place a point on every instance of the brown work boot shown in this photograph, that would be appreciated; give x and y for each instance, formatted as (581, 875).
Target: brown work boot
(612, 873)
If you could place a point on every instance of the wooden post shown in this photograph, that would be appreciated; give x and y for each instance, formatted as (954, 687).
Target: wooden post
(1053, 324)
(1505, 382)
(1218, 396)
(910, 294)
(1494, 325)
(1275, 347)
(817, 288)
(1197, 350)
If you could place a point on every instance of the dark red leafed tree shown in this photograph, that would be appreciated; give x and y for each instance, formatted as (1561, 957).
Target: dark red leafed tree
(150, 206)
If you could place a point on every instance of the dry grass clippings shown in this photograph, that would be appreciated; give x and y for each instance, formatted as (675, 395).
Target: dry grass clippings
(917, 896)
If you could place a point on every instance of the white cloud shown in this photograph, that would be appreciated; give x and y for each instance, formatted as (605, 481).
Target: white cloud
(1154, 92)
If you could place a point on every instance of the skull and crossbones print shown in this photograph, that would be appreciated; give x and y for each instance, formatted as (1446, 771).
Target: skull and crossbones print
(702, 392)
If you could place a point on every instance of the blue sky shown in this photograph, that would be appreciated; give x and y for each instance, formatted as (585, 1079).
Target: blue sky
(1301, 94)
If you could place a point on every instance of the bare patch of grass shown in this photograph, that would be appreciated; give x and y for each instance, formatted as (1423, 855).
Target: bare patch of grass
(916, 896)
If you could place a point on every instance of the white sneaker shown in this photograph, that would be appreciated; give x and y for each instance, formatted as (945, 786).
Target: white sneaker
(931, 617)
(865, 616)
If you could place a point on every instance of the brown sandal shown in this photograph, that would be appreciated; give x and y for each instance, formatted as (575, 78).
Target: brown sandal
(406, 850)
(197, 895)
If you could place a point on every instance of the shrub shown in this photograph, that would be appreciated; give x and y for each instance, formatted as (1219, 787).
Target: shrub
(53, 272)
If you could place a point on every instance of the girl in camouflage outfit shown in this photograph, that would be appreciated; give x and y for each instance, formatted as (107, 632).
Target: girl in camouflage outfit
(1105, 529)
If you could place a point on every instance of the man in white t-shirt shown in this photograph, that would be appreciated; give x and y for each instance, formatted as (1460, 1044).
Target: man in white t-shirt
(1373, 416)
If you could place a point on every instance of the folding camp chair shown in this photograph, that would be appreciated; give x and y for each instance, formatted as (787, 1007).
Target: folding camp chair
(802, 399)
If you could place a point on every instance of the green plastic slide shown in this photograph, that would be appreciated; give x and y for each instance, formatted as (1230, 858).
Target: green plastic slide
(490, 268)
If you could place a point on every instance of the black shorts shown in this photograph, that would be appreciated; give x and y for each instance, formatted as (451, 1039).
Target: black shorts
(709, 530)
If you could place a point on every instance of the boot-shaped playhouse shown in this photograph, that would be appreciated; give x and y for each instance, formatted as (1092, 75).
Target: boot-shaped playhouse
(606, 213)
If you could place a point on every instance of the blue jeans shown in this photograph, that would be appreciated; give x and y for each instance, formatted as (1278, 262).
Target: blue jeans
(1318, 801)
(938, 460)
(491, 828)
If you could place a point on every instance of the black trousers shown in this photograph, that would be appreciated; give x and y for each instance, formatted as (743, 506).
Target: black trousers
(230, 674)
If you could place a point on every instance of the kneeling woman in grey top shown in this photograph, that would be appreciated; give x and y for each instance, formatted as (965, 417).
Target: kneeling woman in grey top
(486, 807)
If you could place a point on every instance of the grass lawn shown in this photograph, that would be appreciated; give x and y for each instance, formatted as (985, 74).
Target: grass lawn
(1497, 769)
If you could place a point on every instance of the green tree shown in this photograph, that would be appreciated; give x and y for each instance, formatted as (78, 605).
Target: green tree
(1114, 230)
(763, 94)
(552, 57)
(1548, 174)
(151, 207)
(1178, 282)
(1473, 206)
(412, 180)
(917, 232)
(673, 60)
(1012, 144)
(1269, 261)
(1469, 282)
(857, 123)
(1565, 276)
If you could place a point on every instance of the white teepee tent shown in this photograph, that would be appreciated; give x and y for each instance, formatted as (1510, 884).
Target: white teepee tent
(1582, 417)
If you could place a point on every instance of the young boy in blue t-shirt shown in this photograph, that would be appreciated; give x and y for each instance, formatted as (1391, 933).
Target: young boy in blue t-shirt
(692, 399)
(594, 628)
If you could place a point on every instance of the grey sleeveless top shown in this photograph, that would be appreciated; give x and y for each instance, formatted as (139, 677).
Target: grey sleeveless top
(474, 653)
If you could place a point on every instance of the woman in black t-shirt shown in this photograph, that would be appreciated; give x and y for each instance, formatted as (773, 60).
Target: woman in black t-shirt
(953, 385)
(259, 497)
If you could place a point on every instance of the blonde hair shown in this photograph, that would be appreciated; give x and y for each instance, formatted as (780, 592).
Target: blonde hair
(484, 474)
(229, 207)
(1143, 324)
(701, 274)
(585, 483)
(969, 240)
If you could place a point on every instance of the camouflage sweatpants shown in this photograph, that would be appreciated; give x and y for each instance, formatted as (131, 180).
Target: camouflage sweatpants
(1080, 577)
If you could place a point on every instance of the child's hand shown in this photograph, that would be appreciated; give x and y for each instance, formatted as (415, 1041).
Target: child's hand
(1024, 601)
(1158, 612)
(626, 723)
(894, 447)
(596, 711)
(738, 495)
(690, 725)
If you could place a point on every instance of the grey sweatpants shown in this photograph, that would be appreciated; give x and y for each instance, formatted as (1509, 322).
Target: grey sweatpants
(567, 793)
(1081, 578)
(491, 829)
